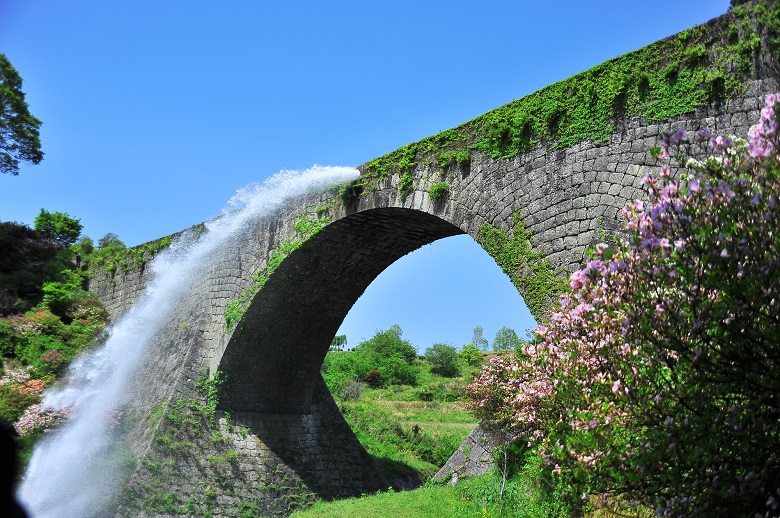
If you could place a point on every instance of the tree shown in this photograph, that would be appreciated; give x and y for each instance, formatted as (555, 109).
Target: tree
(60, 296)
(58, 226)
(84, 245)
(25, 260)
(388, 354)
(478, 340)
(110, 240)
(387, 344)
(443, 359)
(658, 378)
(19, 130)
(506, 340)
(338, 342)
(470, 354)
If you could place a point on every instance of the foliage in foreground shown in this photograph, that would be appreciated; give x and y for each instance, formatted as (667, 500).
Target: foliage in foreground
(36, 347)
(658, 379)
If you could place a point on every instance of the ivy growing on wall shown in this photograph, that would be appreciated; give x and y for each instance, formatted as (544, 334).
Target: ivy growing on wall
(126, 259)
(188, 440)
(703, 65)
(308, 224)
(530, 272)
(119, 259)
(406, 185)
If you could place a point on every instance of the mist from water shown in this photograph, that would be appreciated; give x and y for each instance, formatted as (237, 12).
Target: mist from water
(75, 470)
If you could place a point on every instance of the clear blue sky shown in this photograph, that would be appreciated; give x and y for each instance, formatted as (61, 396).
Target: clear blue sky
(156, 112)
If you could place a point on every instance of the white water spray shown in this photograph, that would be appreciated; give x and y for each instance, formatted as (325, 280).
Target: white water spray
(72, 472)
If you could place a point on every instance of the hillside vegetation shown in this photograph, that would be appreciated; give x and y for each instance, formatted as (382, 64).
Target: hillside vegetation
(408, 411)
(47, 317)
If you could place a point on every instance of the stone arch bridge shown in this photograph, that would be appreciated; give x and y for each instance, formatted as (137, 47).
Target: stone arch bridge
(280, 435)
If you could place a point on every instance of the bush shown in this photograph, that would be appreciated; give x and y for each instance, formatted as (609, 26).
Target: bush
(386, 353)
(351, 391)
(28, 260)
(470, 354)
(32, 351)
(13, 403)
(8, 338)
(443, 359)
(438, 190)
(374, 378)
(660, 373)
(387, 344)
(59, 296)
(338, 369)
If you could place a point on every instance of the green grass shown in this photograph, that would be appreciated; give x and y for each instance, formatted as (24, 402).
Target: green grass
(430, 501)
(529, 493)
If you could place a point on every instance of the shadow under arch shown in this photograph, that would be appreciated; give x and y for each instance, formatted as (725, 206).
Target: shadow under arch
(272, 362)
(274, 357)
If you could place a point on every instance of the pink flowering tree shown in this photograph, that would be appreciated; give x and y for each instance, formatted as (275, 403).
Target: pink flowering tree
(658, 378)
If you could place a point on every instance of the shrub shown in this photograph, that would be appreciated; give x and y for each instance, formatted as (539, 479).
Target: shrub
(470, 354)
(383, 360)
(8, 337)
(659, 377)
(351, 391)
(39, 418)
(374, 378)
(396, 371)
(406, 185)
(14, 402)
(26, 259)
(33, 350)
(443, 359)
(59, 296)
(386, 344)
(438, 190)
(338, 369)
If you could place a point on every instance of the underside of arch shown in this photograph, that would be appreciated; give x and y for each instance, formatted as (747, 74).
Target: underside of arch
(275, 354)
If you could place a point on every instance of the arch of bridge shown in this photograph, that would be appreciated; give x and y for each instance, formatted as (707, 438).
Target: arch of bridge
(276, 352)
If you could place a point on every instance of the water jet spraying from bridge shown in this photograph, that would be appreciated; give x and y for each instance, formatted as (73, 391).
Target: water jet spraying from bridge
(75, 470)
